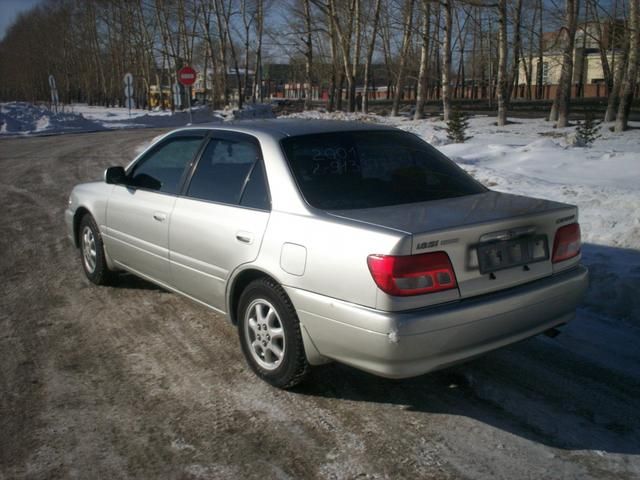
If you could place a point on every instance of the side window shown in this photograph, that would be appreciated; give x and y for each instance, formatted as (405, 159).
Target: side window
(222, 172)
(162, 169)
(255, 194)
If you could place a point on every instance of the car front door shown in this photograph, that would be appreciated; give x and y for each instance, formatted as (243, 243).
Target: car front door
(139, 210)
(218, 222)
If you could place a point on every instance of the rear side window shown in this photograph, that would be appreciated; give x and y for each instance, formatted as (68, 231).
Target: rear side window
(162, 168)
(230, 171)
(367, 169)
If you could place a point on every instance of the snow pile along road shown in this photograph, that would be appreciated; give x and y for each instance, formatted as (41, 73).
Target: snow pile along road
(21, 118)
(24, 118)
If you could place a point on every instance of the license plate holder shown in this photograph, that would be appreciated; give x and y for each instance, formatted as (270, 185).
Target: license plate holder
(495, 256)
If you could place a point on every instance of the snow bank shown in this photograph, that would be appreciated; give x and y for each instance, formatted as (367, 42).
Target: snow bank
(24, 118)
(251, 111)
(20, 118)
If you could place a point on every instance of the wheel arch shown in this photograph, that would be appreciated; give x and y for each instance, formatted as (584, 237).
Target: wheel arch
(238, 283)
(77, 218)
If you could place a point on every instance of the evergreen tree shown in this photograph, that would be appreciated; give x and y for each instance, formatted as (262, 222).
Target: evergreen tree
(457, 127)
(587, 131)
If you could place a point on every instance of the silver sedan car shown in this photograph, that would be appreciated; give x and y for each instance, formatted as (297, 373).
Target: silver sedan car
(328, 241)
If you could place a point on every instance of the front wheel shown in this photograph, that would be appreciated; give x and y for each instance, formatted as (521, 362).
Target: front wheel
(92, 254)
(270, 335)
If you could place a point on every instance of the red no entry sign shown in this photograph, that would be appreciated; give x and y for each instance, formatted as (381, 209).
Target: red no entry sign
(187, 76)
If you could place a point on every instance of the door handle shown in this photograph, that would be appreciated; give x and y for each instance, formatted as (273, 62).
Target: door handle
(159, 216)
(244, 237)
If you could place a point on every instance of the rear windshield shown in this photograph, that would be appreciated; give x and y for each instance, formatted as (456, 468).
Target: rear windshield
(367, 169)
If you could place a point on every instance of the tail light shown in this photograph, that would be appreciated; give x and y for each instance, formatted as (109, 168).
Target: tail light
(567, 243)
(412, 274)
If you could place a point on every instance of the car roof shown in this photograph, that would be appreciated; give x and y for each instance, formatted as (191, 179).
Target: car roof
(280, 128)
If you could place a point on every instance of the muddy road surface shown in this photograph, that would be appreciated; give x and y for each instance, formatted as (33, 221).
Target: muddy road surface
(132, 381)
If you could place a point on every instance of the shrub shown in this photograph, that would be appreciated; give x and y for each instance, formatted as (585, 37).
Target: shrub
(457, 127)
(587, 131)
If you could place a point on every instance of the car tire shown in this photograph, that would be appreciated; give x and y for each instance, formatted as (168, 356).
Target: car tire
(270, 335)
(92, 254)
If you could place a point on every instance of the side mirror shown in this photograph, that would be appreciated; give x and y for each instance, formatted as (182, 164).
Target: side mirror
(114, 175)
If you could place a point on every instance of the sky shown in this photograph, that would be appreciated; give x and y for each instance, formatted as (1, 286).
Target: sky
(9, 10)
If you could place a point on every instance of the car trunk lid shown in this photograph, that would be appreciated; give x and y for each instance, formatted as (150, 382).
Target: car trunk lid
(494, 240)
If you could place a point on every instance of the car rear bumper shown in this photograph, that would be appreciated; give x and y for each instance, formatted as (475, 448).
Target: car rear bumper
(406, 344)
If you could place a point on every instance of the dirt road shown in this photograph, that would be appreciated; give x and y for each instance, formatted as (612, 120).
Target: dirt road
(135, 382)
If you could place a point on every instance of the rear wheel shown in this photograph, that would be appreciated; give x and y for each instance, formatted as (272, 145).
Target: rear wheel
(92, 254)
(270, 335)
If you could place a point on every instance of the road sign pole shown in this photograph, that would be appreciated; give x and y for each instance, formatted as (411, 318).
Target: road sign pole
(189, 100)
(177, 99)
(128, 91)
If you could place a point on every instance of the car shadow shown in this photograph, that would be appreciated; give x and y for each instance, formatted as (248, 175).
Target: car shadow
(127, 280)
(579, 391)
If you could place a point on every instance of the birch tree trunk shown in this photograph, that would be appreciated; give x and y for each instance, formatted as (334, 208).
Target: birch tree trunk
(333, 79)
(308, 55)
(630, 80)
(517, 47)
(618, 77)
(367, 64)
(446, 60)
(404, 52)
(258, 94)
(344, 42)
(222, 47)
(502, 63)
(561, 105)
(424, 60)
(539, 73)
(356, 55)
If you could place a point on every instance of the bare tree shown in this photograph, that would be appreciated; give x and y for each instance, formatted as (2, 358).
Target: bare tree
(618, 76)
(517, 48)
(367, 64)
(502, 63)
(446, 59)
(357, 19)
(404, 52)
(561, 104)
(249, 13)
(631, 75)
(424, 59)
(308, 54)
(258, 92)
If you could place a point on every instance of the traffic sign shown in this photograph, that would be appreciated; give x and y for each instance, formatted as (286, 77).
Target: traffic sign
(54, 93)
(187, 76)
(128, 91)
(128, 79)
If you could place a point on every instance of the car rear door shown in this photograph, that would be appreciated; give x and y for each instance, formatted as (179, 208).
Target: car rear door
(139, 210)
(219, 220)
